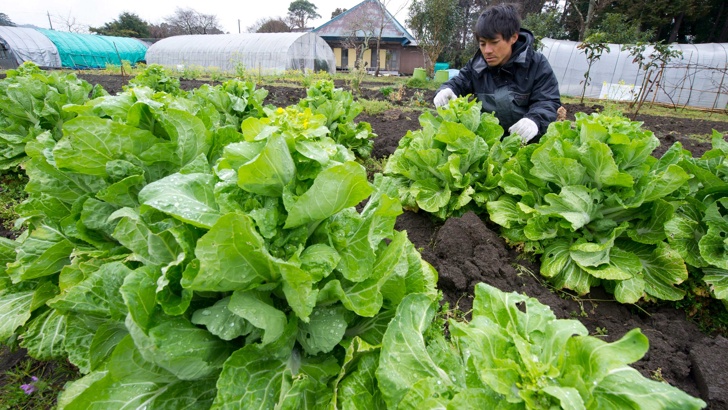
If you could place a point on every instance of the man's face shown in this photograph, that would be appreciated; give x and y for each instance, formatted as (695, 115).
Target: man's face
(497, 51)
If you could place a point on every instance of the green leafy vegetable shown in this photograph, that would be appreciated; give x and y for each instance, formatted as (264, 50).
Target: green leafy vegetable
(514, 353)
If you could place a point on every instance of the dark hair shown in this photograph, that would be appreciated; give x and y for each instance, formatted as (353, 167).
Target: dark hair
(503, 19)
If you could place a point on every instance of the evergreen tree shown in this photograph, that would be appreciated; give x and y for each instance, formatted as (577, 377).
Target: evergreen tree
(5, 20)
(300, 12)
(127, 25)
(433, 23)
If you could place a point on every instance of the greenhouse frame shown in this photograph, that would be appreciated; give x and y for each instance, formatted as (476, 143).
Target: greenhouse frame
(698, 78)
(261, 53)
(61, 49)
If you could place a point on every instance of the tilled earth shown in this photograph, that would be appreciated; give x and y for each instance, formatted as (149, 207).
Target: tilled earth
(468, 250)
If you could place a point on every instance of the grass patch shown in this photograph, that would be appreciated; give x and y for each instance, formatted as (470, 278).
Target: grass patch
(373, 166)
(34, 384)
(659, 110)
(375, 107)
(709, 313)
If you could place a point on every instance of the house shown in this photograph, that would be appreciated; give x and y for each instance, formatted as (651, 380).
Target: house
(353, 37)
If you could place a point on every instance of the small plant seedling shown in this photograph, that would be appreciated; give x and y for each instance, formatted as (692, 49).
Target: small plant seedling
(657, 375)
(601, 331)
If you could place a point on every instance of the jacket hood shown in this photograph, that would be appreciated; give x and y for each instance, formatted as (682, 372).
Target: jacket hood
(520, 49)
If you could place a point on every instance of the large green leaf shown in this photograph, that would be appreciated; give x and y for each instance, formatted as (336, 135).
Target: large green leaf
(221, 321)
(147, 243)
(324, 330)
(45, 337)
(577, 204)
(254, 308)
(651, 229)
(187, 197)
(188, 133)
(663, 269)
(14, 312)
(714, 245)
(551, 164)
(132, 382)
(356, 386)
(232, 256)
(601, 167)
(357, 237)
(717, 279)
(90, 142)
(404, 358)
(42, 253)
(97, 294)
(334, 189)
(627, 388)
(263, 377)
(271, 170)
(685, 230)
(179, 347)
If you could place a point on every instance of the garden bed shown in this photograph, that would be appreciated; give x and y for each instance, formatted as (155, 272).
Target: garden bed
(469, 250)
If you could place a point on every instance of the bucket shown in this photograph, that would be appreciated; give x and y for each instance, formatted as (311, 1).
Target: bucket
(420, 74)
(442, 76)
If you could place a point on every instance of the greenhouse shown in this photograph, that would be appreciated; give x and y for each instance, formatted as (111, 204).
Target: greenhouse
(18, 45)
(92, 51)
(60, 49)
(262, 53)
(697, 78)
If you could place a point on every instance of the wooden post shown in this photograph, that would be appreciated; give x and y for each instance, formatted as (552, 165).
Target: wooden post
(121, 63)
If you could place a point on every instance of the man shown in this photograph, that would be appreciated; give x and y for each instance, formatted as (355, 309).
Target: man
(509, 78)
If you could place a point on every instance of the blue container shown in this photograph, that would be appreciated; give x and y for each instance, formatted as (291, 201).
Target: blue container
(441, 66)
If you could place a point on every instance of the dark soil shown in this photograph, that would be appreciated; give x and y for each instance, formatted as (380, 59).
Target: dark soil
(469, 250)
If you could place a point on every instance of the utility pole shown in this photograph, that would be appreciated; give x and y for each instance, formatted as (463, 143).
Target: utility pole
(49, 19)
(238, 26)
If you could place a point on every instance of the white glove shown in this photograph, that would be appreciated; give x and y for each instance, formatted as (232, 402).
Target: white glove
(526, 128)
(444, 96)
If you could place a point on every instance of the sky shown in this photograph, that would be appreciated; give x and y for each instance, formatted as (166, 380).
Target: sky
(95, 13)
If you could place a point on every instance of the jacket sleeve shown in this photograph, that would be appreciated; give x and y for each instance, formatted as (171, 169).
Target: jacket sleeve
(545, 98)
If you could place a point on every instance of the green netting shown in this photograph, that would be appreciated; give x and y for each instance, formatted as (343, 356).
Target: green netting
(80, 51)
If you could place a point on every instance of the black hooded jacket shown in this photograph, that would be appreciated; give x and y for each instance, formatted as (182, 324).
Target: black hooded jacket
(525, 86)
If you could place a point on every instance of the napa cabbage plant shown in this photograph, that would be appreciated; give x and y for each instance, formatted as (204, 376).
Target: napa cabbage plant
(451, 165)
(698, 229)
(156, 77)
(179, 261)
(32, 102)
(513, 354)
(340, 110)
(592, 200)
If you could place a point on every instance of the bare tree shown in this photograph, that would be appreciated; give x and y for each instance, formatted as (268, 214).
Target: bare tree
(190, 21)
(369, 22)
(162, 30)
(585, 23)
(361, 30)
(384, 19)
(69, 23)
